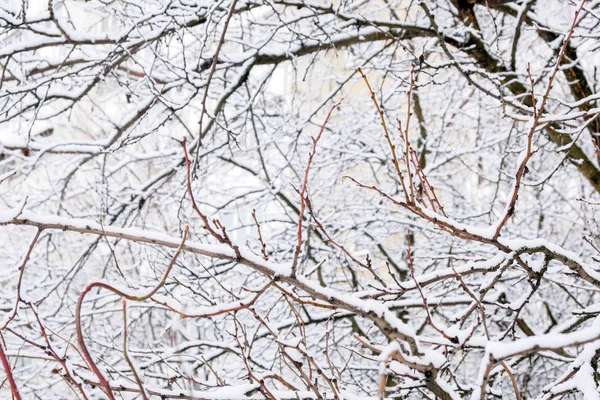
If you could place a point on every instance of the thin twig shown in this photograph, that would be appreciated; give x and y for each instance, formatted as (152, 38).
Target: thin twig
(126, 355)
(263, 246)
(387, 135)
(213, 68)
(80, 339)
(9, 375)
(304, 186)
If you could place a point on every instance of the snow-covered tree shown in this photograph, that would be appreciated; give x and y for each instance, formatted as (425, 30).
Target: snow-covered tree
(299, 199)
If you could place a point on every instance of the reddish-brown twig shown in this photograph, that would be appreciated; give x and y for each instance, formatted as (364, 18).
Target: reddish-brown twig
(407, 146)
(263, 246)
(221, 237)
(537, 114)
(9, 375)
(202, 216)
(213, 68)
(411, 265)
(304, 186)
(387, 136)
(20, 281)
(80, 339)
(67, 374)
(368, 266)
